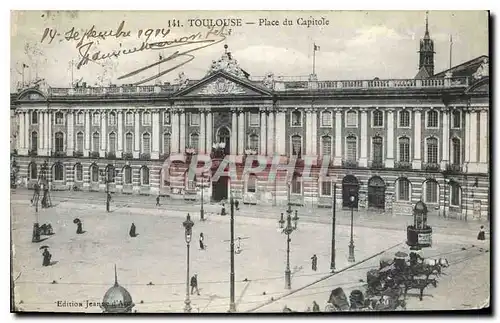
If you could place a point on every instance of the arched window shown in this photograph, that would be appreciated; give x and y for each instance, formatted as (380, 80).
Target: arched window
(78, 172)
(457, 151)
(403, 189)
(194, 141)
(326, 145)
(253, 142)
(432, 150)
(252, 183)
(127, 174)
(33, 171)
(59, 138)
(129, 142)
(94, 170)
(326, 119)
(296, 185)
(79, 141)
(431, 191)
(166, 143)
(457, 120)
(58, 172)
(296, 145)
(378, 150)
(34, 117)
(351, 149)
(404, 119)
(95, 142)
(112, 119)
(455, 194)
(432, 119)
(112, 142)
(378, 118)
(59, 118)
(145, 175)
(404, 149)
(146, 143)
(34, 141)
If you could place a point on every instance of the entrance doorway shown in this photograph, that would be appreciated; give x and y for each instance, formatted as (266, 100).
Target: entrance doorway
(350, 187)
(376, 193)
(220, 189)
(223, 136)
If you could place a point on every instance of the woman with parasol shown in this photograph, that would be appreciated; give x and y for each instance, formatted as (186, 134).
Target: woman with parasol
(79, 226)
(46, 256)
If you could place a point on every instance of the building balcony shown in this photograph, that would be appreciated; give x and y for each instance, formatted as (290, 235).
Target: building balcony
(377, 164)
(402, 165)
(431, 167)
(110, 155)
(349, 163)
(58, 154)
(127, 155)
(453, 168)
(78, 154)
(32, 153)
(93, 154)
(145, 156)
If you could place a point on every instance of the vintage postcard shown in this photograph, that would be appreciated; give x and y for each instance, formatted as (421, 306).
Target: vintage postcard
(250, 161)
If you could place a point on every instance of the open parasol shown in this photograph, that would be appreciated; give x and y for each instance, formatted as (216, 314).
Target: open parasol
(401, 255)
(76, 220)
(44, 247)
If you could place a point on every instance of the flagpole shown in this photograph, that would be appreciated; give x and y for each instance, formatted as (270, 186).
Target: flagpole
(22, 74)
(314, 59)
(451, 49)
(72, 79)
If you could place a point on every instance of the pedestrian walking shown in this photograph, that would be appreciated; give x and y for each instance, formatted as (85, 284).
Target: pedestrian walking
(132, 232)
(158, 200)
(237, 205)
(79, 227)
(223, 211)
(315, 307)
(202, 239)
(314, 264)
(481, 235)
(194, 284)
(46, 257)
(108, 201)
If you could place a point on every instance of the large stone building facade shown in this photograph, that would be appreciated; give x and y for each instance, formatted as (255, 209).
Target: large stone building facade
(390, 142)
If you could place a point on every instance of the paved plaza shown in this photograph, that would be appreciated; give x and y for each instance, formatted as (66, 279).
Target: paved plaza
(152, 266)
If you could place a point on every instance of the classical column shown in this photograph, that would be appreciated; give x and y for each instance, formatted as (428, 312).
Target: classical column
(363, 160)
(182, 131)
(389, 161)
(467, 137)
(281, 132)
(202, 141)
(26, 130)
(234, 132)
(242, 141)
(21, 146)
(314, 132)
(155, 136)
(483, 138)
(445, 138)
(175, 131)
(263, 126)
(41, 133)
(308, 144)
(49, 133)
(270, 133)
(473, 138)
(87, 147)
(70, 134)
(137, 136)
(104, 134)
(120, 134)
(417, 139)
(337, 161)
(210, 129)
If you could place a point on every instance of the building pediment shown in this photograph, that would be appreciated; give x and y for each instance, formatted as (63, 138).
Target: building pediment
(31, 95)
(222, 84)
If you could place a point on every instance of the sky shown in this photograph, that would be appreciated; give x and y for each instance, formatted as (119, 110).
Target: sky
(354, 45)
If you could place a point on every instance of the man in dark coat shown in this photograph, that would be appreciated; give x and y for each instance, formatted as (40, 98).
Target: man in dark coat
(315, 307)
(237, 205)
(223, 211)
(194, 284)
(314, 259)
(108, 200)
(481, 235)
(79, 227)
(132, 232)
(202, 238)
(46, 258)
(158, 200)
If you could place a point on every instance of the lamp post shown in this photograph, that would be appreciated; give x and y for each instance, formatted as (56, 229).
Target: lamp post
(202, 211)
(351, 244)
(288, 230)
(334, 220)
(188, 226)
(232, 305)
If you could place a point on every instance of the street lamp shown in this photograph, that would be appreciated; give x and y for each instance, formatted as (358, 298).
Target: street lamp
(334, 220)
(288, 230)
(202, 211)
(188, 226)
(351, 244)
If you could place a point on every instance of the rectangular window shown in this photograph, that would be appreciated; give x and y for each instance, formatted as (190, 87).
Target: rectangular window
(432, 119)
(195, 119)
(455, 195)
(404, 150)
(146, 118)
(296, 119)
(79, 142)
(254, 119)
(378, 119)
(129, 143)
(129, 119)
(96, 119)
(166, 118)
(403, 190)
(326, 144)
(79, 118)
(431, 188)
(457, 120)
(112, 119)
(326, 188)
(352, 119)
(79, 173)
(166, 143)
(404, 119)
(351, 150)
(296, 186)
(326, 119)
(59, 118)
(252, 184)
